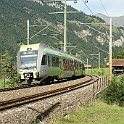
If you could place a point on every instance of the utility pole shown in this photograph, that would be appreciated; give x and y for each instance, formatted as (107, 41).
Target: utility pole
(87, 63)
(65, 29)
(99, 60)
(28, 32)
(110, 52)
(65, 19)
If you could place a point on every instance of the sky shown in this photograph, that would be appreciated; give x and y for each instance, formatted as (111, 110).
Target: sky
(112, 8)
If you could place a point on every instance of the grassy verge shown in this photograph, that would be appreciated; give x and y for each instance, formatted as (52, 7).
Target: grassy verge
(98, 113)
(97, 71)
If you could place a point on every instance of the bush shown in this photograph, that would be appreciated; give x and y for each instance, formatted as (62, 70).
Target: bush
(114, 94)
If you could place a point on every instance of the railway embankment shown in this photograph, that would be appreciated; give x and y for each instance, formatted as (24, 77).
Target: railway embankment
(56, 106)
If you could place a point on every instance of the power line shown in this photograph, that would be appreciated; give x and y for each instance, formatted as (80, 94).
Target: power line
(87, 6)
(87, 24)
(104, 7)
(85, 3)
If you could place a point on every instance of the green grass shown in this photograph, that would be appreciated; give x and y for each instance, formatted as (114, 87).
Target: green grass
(97, 71)
(98, 113)
(4, 84)
(1, 83)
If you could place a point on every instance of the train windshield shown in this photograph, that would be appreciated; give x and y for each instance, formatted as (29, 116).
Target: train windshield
(28, 59)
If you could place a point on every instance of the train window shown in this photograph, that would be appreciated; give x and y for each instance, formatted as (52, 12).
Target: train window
(48, 60)
(29, 52)
(68, 65)
(44, 60)
(63, 61)
(77, 65)
(55, 61)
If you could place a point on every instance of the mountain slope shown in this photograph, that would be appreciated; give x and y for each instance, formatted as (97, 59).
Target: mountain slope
(87, 38)
(117, 21)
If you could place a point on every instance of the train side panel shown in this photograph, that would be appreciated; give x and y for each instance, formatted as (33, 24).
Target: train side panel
(38, 61)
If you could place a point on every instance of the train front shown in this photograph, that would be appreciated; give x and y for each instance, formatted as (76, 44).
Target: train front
(27, 62)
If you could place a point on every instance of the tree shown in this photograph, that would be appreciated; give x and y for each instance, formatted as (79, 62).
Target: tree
(8, 70)
(5, 65)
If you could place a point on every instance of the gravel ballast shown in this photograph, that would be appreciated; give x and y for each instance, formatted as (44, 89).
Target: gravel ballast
(47, 109)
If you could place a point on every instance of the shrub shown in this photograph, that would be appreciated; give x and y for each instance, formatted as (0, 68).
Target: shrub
(114, 94)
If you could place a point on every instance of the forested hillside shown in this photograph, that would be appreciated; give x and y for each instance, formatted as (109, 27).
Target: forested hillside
(87, 38)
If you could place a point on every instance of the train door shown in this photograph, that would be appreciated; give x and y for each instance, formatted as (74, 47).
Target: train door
(61, 68)
(74, 63)
(44, 65)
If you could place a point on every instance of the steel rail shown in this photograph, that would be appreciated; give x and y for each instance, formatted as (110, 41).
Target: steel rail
(24, 86)
(23, 100)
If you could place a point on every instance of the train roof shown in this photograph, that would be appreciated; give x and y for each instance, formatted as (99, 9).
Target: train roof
(60, 53)
(32, 46)
(48, 49)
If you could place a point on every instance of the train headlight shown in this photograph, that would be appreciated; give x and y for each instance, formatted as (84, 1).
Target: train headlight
(21, 70)
(34, 69)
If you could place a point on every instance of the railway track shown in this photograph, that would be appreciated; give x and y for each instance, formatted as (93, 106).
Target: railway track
(29, 86)
(6, 104)
(13, 88)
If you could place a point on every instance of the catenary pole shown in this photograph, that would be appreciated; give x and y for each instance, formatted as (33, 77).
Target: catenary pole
(65, 19)
(99, 60)
(110, 52)
(65, 28)
(27, 32)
